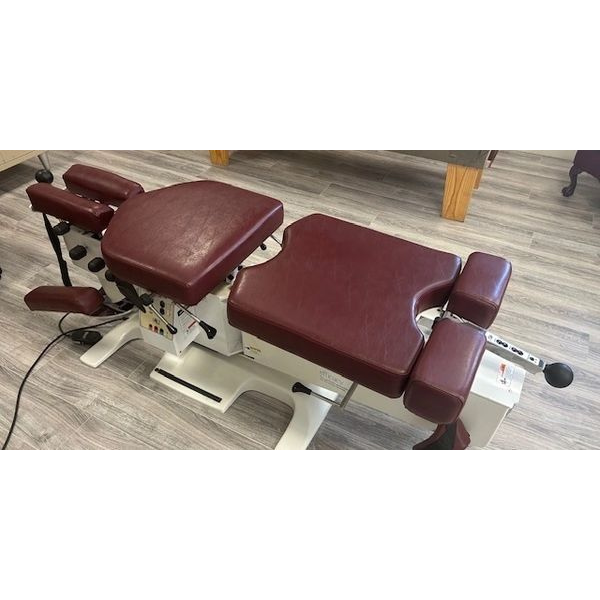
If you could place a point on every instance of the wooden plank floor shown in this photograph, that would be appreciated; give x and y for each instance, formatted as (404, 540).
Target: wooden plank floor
(552, 306)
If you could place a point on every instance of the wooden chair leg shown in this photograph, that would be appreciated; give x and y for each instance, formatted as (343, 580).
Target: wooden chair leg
(573, 174)
(219, 157)
(460, 182)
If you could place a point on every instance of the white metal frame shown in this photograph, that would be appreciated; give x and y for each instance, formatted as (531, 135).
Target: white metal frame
(216, 372)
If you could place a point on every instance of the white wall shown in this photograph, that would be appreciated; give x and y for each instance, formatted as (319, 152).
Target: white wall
(567, 154)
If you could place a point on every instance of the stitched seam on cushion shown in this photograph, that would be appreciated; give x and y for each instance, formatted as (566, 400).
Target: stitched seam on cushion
(481, 299)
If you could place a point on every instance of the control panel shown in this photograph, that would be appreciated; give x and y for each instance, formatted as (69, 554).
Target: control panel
(151, 322)
(154, 326)
(528, 361)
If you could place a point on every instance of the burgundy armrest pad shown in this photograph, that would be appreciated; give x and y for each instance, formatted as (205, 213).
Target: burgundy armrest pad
(84, 213)
(100, 185)
(58, 298)
(441, 380)
(479, 289)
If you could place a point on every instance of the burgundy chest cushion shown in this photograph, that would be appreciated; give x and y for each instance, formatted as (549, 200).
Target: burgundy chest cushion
(181, 241)
(345, 297)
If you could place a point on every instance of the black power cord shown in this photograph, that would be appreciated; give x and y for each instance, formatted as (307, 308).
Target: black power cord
(62, 335)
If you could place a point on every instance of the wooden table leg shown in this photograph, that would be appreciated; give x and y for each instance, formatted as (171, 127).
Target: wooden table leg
(219, 157)
(460, 182)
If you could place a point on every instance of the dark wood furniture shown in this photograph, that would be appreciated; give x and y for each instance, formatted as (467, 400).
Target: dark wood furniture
(587, 161)
(463, 174)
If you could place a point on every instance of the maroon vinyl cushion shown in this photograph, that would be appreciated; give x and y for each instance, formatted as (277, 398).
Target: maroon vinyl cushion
(442, 378)
(58, 298)
(479, 290)
(100, 185)
(345, 297)
(181, 241)
(84, 213)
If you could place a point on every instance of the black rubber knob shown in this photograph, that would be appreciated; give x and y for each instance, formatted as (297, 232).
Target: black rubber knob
(44, 176)
(62, 228)
(558, 375)
(96, 264)
(299, 388)
(78, 252)
(109, 276)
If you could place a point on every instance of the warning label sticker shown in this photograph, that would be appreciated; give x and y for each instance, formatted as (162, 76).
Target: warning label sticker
(505, 374)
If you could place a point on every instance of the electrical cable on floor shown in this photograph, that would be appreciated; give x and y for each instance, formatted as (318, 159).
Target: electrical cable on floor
(62, 335)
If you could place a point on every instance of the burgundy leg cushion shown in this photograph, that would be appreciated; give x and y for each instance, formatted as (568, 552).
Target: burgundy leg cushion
(441, 380)
(58, 298)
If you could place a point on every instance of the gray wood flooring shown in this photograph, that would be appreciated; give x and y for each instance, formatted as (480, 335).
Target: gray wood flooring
(552, 306)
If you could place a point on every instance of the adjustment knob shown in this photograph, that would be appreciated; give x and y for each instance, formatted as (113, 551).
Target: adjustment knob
(109, 276)
(558, 375)
(78, 252)
(96, 264)
(62, 228)
(44, 176)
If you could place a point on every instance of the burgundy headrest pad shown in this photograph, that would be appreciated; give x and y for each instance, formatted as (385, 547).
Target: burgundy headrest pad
(479, 289)
(100, 185)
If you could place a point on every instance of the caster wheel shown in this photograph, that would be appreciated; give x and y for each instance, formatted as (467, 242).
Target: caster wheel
(44, 176)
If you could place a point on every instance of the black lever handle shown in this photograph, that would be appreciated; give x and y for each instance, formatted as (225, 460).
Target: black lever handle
(131, 294)
(209, 329)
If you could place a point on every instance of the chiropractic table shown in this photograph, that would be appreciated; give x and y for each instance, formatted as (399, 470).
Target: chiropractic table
(342, 313)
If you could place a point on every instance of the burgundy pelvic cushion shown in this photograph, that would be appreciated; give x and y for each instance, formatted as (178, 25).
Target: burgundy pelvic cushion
(345, 297)
(181, 241)
(100, 185)
(442, 378)
(84, 213)
(479, 290)
(58, 298)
